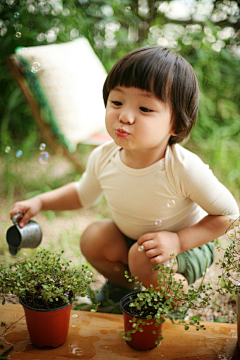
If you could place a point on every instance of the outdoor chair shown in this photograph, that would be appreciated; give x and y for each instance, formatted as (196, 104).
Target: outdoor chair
(62, 84)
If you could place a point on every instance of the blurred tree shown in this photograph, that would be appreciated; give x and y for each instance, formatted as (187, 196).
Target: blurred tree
(206, 32)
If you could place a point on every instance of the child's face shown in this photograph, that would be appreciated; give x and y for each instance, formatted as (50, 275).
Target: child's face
(137, 120)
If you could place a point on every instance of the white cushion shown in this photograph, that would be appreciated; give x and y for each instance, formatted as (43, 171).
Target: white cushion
(69, 86)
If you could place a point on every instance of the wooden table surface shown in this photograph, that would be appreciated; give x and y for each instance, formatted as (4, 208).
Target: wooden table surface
(96, 336)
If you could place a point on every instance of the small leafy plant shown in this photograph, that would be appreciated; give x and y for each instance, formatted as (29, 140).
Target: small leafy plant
(167, 300)
(229, 279)
(45, 282)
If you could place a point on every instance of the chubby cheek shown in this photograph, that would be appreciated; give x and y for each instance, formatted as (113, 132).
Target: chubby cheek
(110, 116)
(109, 129)
(144, 134)
(108, 122)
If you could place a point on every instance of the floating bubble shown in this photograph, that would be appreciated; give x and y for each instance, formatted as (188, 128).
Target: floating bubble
(44, 157)
(170, 262)
(116, 269)
(158, 222)
(171, 203)
(7, 149)
(140, 248)
(42, 147)
(18, 35)
(88, 274)
(19, 154)
(22, 50)
(36, 66)
(16, 15)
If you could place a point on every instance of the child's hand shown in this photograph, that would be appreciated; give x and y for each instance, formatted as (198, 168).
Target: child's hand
(29, 208)
(158, 246)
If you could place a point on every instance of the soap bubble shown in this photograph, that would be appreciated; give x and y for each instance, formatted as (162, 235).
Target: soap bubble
(36, 66)
(171, 203)
(44, 157)
(140, 248)
(16, 15)
(42, 147)
(22, 50)
(88, 274)
(170, 262)
(18, 35)
(7, 149)
(19, 154)
(158, 222)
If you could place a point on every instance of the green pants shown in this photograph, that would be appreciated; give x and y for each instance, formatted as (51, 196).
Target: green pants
(192, 264)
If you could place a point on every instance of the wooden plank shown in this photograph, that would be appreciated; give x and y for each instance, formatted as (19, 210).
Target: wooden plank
(96, 336)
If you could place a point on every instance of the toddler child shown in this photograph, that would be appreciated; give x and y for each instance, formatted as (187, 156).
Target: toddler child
(162, 197)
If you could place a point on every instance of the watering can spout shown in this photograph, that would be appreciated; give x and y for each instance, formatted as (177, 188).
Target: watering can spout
(13, 251)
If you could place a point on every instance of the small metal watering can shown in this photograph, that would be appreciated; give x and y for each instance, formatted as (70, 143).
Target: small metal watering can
(30, 236)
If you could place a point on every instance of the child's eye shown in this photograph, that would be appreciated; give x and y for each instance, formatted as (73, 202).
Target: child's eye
(145, 109)
(117, 103)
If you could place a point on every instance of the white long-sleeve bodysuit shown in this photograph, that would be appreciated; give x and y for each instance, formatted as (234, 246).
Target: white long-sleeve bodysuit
(172, 194)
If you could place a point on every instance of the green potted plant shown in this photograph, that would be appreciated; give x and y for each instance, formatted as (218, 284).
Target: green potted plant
(229, 280)
(46, 286)
(145, 311)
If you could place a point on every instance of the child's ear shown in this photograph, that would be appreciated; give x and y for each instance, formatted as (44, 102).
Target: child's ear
(172, 132)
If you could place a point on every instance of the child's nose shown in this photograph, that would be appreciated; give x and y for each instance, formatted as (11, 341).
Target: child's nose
(126, 117)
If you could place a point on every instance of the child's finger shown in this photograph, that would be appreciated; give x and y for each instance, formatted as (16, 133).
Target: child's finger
(149, 244)
(158, 259)
(152, 253)
(145, 237)
(14, 212)
(25, 219)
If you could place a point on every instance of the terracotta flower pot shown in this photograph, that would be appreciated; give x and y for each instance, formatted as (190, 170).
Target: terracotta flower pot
(47, 327)
(145, 340)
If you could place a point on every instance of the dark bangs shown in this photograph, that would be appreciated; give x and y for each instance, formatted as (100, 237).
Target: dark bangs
(147, 68)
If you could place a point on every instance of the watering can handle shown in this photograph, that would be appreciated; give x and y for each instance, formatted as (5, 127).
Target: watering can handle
(16, 218)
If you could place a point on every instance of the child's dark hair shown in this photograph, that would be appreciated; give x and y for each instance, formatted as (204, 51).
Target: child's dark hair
(168, 76)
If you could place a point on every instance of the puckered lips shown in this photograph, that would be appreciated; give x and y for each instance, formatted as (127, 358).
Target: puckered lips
(121, 133)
